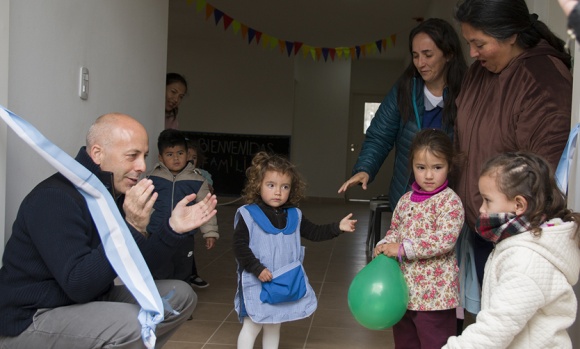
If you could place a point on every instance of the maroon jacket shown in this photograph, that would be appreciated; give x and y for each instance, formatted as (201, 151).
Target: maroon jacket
(525, 107)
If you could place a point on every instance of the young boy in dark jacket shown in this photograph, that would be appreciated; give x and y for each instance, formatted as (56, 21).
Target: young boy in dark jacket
(174, 178)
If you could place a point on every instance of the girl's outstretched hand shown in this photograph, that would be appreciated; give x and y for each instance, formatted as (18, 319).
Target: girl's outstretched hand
(347, 224)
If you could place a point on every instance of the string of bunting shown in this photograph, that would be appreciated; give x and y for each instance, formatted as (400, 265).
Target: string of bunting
(292, 47)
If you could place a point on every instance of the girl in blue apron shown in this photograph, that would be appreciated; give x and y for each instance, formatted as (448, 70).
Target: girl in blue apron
(272, 285)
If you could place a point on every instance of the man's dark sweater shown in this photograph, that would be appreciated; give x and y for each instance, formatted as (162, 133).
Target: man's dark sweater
(54, 256)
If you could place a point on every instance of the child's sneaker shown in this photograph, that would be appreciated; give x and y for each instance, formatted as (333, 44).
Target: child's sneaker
(198, 282)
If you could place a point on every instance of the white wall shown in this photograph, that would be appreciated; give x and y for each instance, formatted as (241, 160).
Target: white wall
(236, 87)
(124, 46)
(233, 87)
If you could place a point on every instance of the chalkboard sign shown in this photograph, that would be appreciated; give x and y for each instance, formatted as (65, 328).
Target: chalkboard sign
(228, 155)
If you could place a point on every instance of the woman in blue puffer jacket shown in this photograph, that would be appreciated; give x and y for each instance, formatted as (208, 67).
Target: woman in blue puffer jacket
(423, 97)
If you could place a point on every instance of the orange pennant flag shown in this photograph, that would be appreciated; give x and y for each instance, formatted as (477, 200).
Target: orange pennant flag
(208, 11)
(394, 39)
(318, 53)
(244, 31)
(281, 45)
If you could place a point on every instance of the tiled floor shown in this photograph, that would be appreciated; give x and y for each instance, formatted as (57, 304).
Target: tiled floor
(330, 265)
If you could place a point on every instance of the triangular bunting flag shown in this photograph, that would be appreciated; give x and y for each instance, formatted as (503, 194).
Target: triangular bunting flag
(251, 34)
(332, 52)
(313, 53)
(236, 26)
(289, 47)
(227, 21)
(208, 11)
(200, 5)
(266, 40)
(297, 46)
(217, 15)
(273, 42)
(325, 53)
(293, 46)
(244, 31)
(305, 50)
(318, 51)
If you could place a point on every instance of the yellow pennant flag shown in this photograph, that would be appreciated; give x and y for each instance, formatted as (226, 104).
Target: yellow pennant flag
(265, 40)
(199, 6)
(236, 26)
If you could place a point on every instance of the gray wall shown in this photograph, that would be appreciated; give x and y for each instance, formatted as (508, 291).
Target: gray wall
(4, 40)
(123, 43)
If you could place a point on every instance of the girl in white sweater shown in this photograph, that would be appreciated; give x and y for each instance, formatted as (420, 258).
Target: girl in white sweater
(527, 296)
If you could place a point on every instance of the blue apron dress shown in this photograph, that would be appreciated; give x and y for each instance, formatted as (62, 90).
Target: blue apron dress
(288, 296)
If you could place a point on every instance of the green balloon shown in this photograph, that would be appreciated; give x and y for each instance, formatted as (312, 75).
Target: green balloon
(378, 295)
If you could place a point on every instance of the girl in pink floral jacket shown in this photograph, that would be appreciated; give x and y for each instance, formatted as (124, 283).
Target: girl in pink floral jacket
(424, 228)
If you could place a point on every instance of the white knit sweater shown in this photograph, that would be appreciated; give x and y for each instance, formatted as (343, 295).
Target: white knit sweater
(527, 296)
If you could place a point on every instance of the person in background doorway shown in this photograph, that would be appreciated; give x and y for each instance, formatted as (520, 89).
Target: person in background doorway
(423, 97)
(175, 90)
(197, 158)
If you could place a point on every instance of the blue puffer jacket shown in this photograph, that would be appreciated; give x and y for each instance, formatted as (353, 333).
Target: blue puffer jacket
(387, 131)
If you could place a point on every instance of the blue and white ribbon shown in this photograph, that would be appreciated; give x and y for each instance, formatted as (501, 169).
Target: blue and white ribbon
(563, 169)
(120, 247)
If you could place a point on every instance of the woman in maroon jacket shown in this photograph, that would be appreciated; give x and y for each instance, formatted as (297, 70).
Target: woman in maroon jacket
(516, 96)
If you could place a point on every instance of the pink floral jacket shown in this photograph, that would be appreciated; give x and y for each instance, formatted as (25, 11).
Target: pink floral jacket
(428, 231)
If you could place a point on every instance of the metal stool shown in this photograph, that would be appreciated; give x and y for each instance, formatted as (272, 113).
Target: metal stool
(378, 205)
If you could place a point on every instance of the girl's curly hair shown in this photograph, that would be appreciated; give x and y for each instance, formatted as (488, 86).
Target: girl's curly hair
(263, 162)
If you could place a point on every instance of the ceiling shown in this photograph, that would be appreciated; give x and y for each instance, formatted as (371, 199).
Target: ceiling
(318, 23)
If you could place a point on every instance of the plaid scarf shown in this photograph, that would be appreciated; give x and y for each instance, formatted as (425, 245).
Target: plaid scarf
(497, 226)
